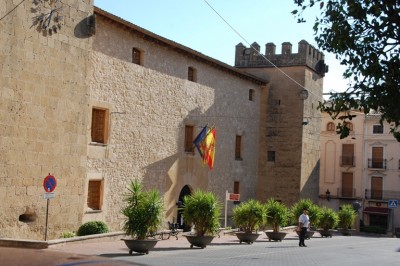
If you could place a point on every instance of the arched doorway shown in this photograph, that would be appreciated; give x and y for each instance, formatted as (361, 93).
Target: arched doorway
(180, 220)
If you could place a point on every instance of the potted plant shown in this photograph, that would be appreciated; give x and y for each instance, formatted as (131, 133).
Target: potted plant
(202, 210)
(277, 215)
(143, 215)
(249, 216)
(313, 213)
(347, 217)
(328, 219)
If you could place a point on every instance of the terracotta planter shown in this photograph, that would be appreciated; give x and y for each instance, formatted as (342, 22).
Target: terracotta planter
(140, 246)
(199, 241)
(325, 233)
(275, 236)
(248, 238)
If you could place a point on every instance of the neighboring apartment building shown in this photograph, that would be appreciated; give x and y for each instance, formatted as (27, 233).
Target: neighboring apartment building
(97, 101)
(363, 168)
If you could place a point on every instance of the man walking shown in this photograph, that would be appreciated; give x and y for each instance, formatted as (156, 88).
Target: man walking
(304, 223)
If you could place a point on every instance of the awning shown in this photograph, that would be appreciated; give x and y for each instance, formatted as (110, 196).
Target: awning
(377, 210)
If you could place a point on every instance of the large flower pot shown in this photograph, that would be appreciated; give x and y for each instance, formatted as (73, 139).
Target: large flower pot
(308, 235)
(140, 246)
(248, 238)
(199, 241)
(325, 233)
(275, 236)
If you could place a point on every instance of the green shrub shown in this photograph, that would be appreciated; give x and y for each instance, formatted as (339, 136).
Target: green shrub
(347, 216)
(278, 215)
(249, 215)
(313, 211)
(92, 228)
(67, 234)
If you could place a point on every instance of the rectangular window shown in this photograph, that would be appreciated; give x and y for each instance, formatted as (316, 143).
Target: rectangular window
(99, 131)
(189, 146)
(236, 186)
(376, 187)
(95, 194)
(377, 157)
(347, 185)
(271, 156)
(377, 129)
(238, 148)
(251, 95)
(192, 74)
(136, 54)
(348, 154)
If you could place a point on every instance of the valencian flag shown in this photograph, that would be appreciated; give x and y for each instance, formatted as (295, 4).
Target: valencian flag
(205, 144)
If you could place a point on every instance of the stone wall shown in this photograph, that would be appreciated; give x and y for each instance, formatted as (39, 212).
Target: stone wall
(44, 101)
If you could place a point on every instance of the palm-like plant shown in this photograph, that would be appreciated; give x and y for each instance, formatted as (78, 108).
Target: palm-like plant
(278, 215)
(313, 211)
(143, 211)
(202, 209)
(249, 215)
(347, 216)
(328, 218)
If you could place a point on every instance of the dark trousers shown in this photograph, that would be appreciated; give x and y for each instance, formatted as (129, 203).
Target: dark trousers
(302, 237)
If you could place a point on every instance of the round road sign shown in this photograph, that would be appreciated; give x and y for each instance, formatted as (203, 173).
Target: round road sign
(49, 183)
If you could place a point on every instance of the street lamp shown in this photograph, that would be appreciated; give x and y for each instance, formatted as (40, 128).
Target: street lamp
(328, 195)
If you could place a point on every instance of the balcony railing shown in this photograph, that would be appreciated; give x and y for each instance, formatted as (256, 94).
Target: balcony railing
(377, 163)
(347, 160)
(381, 194)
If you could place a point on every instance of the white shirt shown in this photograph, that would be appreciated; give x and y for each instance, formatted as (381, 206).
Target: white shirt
(305, 220)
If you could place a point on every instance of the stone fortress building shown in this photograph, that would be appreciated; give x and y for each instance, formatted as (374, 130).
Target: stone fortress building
(97, 101)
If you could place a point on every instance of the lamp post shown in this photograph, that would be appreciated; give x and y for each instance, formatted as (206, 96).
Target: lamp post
(328, 195)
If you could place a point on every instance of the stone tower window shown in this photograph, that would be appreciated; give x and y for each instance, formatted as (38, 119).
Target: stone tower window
(271, 156)
(238, 148)
(136, 56)
(192, 74)
(251, 95)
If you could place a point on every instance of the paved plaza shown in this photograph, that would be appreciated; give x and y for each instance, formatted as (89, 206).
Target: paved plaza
(226, 250)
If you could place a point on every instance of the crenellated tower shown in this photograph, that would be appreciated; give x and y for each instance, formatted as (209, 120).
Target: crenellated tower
(289, 144)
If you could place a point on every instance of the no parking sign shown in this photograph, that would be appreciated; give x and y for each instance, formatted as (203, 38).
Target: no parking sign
(49, 183)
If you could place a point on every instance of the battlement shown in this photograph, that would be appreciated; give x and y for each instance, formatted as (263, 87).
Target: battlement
(307, 55)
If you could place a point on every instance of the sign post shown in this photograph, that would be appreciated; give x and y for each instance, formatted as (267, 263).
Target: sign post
(49, 184)
(229, 197)
(393, 204)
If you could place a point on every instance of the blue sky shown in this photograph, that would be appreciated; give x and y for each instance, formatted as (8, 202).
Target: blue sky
(195, 24)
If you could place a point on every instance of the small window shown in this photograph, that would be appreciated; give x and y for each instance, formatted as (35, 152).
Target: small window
(330, 126)
(350, 126)
(136, 56)
(99, 130)
(238, 148)
(271, 156)
(95, 194)
(191, 74)
(236, 186)
(251, 95)
(189, 146)
(377, 129)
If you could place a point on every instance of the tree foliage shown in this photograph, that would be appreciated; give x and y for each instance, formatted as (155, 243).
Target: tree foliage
(364, 35)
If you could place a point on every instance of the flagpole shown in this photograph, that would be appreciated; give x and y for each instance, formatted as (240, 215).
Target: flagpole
(226, 206)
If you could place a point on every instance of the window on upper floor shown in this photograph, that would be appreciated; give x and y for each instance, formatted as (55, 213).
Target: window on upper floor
(192, 75)
(350, 126)
(347, 155)
(330, 126)
(189, 146)
(95, 194)
(236, 186)
(238, 147)
(271, 156)
(377, 160)
(99, 130)
(376, 187)
(136, 56)
(252, 95)
(377, 129)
